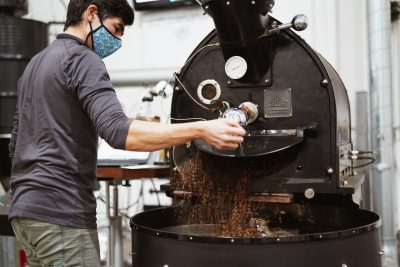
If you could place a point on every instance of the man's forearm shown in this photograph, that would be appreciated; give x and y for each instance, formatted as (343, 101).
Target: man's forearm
(151, 136)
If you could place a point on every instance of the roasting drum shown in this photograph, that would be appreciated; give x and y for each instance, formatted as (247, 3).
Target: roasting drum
(323, 235)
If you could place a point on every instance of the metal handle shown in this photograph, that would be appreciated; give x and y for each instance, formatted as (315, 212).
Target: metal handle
(280, 132)
(298, 23)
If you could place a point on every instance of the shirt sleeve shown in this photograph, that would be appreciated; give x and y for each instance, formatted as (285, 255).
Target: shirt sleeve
(14, 132)
(87, 77)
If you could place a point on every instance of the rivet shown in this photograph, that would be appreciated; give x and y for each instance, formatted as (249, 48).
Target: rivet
(278, 239)
(299, 168)
(253, 2)
(320, 236)
(232, 240)
(267, 81)
(191, 238)
(324, 82)
(228, 3)
(177, 88)
(381, 252)
(229, 82)
(329, 171)
(344, 265)
(309, 193)
(166, 265)
(157, 233)
(345, 182)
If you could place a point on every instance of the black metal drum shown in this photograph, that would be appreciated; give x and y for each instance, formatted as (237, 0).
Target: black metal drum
(20, 40)
(319, 235)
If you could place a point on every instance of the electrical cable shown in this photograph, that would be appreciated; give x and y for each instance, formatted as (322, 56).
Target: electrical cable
(191, 97)
(354, 155)
(360, 152)
(371, 160)
(179, 81)
(187, 62)
(155, 190)
(196, 53)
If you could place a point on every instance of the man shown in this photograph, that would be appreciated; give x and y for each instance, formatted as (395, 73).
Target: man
(65, 99)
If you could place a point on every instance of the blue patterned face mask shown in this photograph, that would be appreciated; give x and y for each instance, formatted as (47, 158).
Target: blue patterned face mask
(104, 42)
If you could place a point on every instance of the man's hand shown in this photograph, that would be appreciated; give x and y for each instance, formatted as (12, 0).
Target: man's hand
(223, 133)
(150, 136)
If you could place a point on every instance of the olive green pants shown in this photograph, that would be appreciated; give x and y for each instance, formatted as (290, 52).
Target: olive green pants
(51, 245)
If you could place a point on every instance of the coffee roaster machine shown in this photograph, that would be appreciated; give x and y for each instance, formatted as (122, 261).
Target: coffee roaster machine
(20, 40)
(296, 112)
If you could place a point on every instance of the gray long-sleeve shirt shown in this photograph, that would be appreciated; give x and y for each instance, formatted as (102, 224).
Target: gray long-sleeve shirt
(65, 99)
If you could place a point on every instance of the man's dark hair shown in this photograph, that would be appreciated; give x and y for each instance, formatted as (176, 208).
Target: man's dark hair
(106, 9)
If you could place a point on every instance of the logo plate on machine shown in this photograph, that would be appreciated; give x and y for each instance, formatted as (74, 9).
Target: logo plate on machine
(278, 103)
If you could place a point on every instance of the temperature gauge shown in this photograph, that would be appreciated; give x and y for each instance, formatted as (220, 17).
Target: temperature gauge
(236, 67)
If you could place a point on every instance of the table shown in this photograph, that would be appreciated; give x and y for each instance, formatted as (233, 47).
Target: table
(119, 173)
(114, 176)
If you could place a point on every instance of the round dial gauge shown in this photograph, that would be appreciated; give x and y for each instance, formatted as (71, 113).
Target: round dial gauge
(236, 67)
